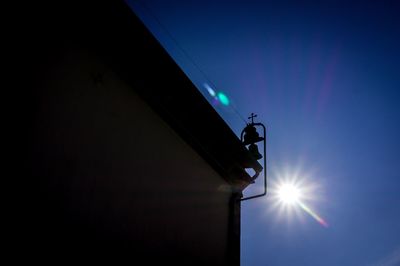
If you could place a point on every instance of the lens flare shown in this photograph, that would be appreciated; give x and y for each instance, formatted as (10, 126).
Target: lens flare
(314, 215)
(210, 90)
(223, 98)
(218, 97)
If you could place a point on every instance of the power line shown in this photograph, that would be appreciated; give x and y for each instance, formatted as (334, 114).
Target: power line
(185, 53)
(237, 112)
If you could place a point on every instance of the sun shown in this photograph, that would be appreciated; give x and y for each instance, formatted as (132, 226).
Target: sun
(295, 193)
(289, 194)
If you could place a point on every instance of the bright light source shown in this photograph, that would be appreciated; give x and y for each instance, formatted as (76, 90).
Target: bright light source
(294, 193)
(289, 194)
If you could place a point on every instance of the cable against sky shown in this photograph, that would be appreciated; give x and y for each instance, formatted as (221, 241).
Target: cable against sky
(217, 96)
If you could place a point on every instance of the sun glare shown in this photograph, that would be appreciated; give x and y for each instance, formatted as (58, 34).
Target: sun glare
(295, 194)
(289, 194)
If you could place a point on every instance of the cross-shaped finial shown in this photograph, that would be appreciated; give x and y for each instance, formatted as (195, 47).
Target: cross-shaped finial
(252, 117)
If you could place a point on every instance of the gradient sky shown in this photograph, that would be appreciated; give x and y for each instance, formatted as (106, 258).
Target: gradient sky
(324, 77)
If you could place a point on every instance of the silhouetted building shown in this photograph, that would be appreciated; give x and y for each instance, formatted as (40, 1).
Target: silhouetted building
(127, 160)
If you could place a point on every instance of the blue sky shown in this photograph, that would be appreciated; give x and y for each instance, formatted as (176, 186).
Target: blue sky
(324, 78)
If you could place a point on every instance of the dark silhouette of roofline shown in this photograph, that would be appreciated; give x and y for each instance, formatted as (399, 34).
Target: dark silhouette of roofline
(112, 31)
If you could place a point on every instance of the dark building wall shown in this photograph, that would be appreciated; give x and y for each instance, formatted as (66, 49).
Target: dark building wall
(114, 180)
(115, 155)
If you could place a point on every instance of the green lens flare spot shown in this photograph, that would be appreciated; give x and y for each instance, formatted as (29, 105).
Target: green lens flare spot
(223, 98)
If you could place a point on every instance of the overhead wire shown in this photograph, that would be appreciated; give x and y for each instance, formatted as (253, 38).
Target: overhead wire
(185, 53)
